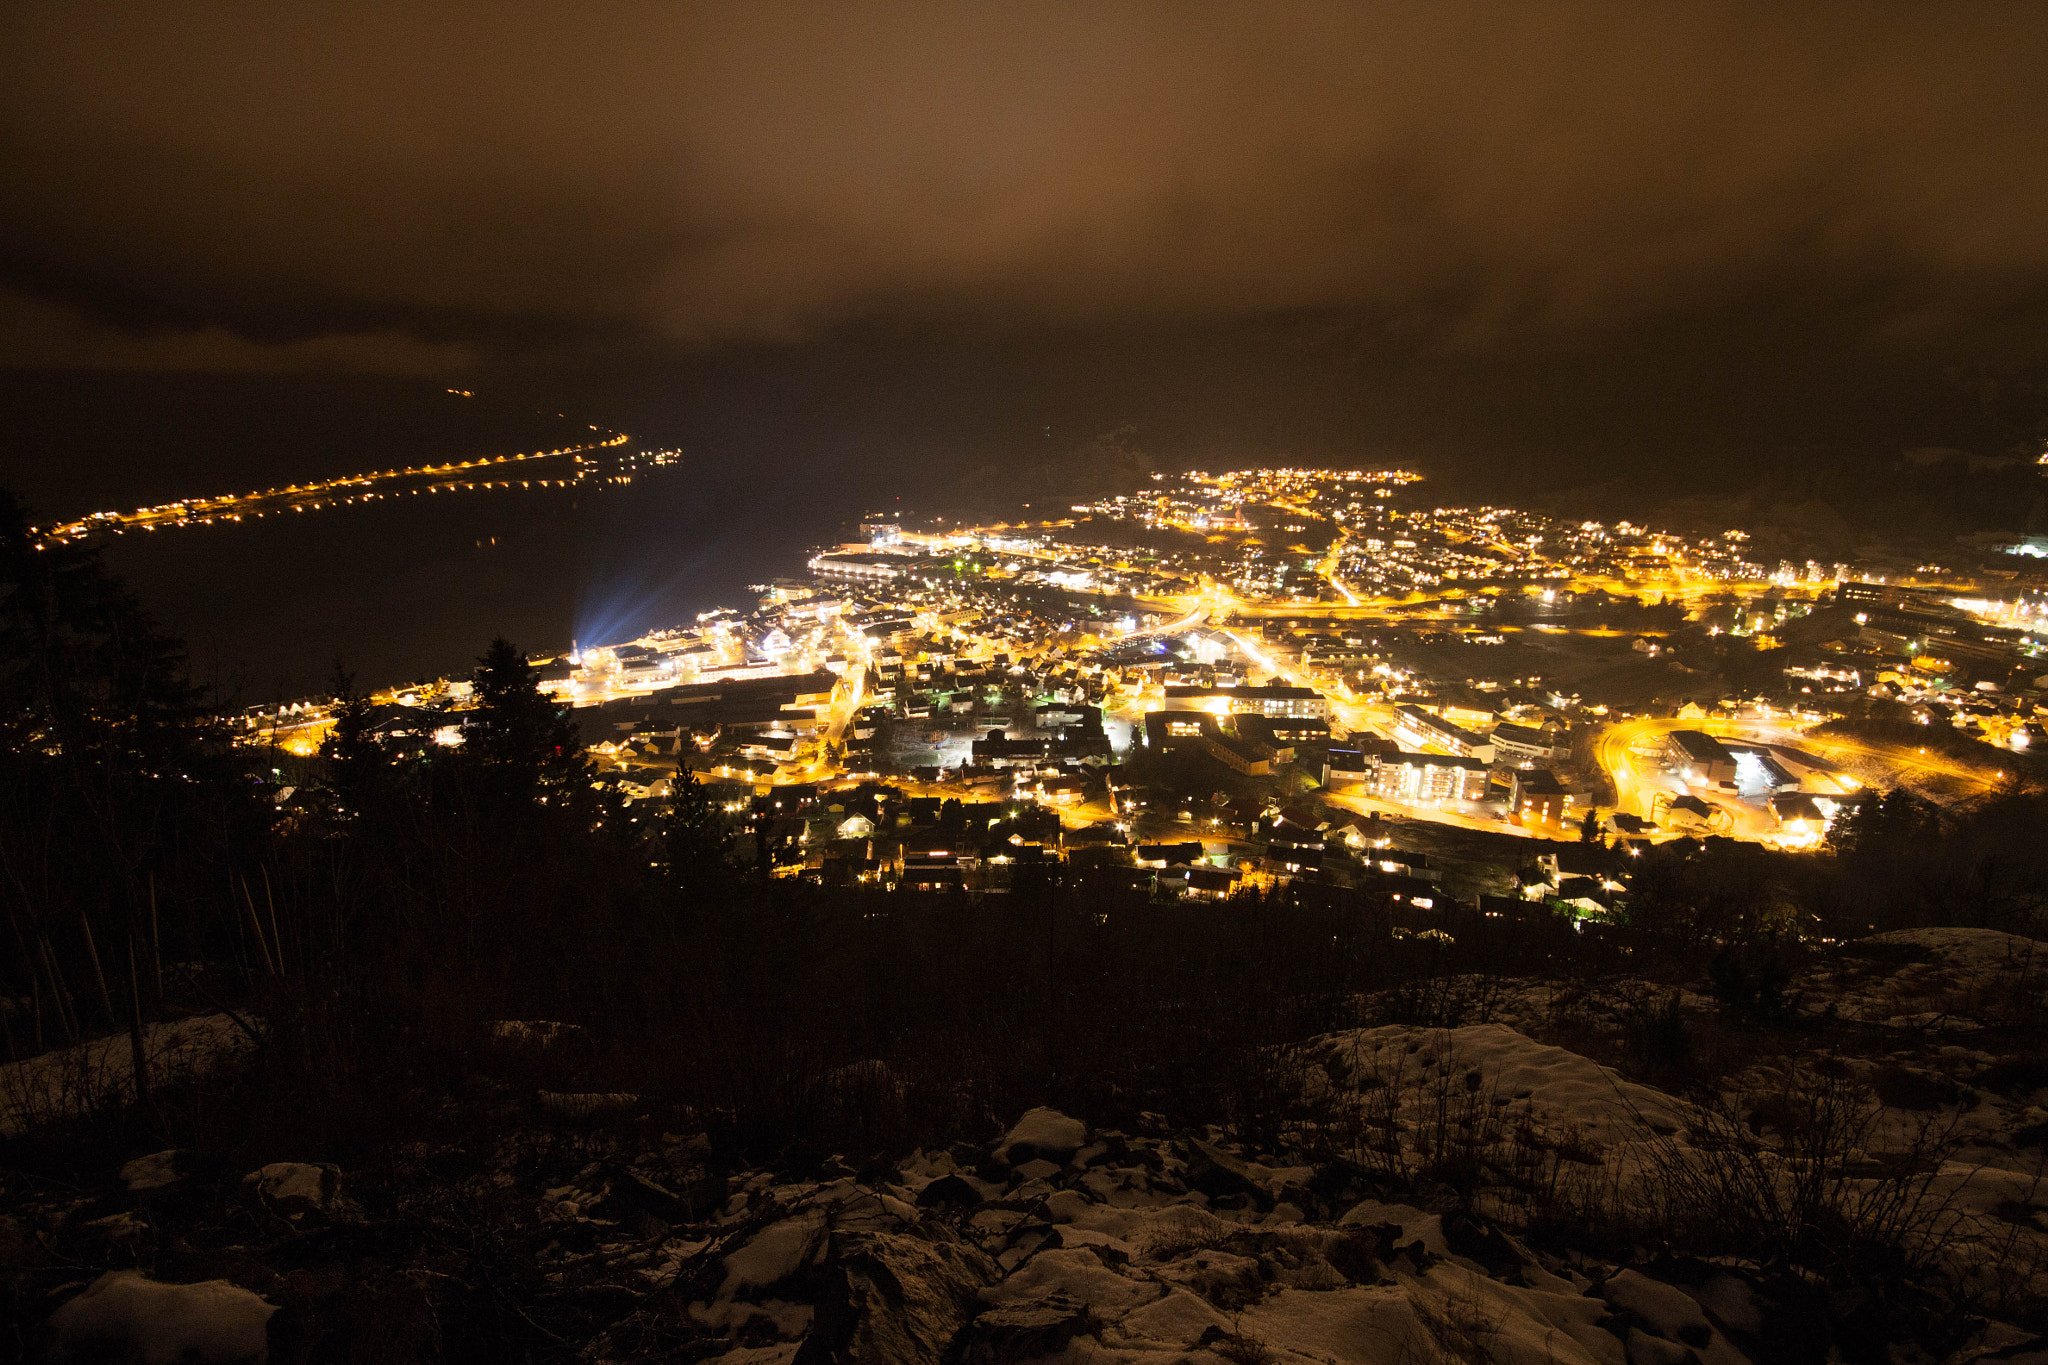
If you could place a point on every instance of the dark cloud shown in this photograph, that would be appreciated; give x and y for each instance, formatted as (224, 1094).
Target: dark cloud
(276, 184)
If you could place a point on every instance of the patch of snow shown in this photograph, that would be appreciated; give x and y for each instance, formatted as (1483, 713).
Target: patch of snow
(1559, 1087)
(152, 1172)
(72, 1082)
(1978, 949)
(1674, 1316)
(294, 1182)
(780, 1353)
(1176, 1321)
(1081, 1276)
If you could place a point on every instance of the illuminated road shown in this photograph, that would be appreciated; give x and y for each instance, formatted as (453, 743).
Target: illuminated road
(1194, 618)
(856, 693)
(1327, 567)
(1352, 715)
(302, 497)
(1629, 752)
(1918, 762)
(1373, 805)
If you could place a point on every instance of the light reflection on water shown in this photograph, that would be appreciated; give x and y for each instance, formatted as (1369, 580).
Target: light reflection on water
(417, 587)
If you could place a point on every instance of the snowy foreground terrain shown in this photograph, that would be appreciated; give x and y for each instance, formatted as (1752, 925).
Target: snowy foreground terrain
(1478, 1196)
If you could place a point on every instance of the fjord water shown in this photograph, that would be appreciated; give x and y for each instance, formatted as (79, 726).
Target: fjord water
(410, 586)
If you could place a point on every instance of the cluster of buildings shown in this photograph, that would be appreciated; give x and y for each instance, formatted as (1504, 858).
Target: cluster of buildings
(1390, 551)
(944, 707)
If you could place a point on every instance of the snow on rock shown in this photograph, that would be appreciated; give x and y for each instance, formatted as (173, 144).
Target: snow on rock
(1043, 1133)
(1031, 1331)
(71, 1082)
(1555, 1088)
(124, 1316)
(1985, 950)
(1081, 1277)
(1220, 1175)
(777, 1353)
(1939, 980)
(775, 1253)
(152, 1172)
(899, 1300)
(123, 1230)
(1674, 1326)
(295, 1188)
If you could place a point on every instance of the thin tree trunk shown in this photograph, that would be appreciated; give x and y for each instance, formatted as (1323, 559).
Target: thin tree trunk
(256, 927)
(60, 994)
(92, 951)
(270, 903)
(138, 1055)
(156, 945)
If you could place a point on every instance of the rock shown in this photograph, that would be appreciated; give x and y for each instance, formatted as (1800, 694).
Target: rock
(295, 1188)
(1043, 1133)
(1668, 1312)
(1029, 1331)
(774, 1253)
(1644, 1349)
(1668, 1309)
(949, 1191)
(123, 1316)
(1038, 1169)
(152, 1172)
(1466, 1236)
(1220, 1175)
(894, 1299)
(1360, 1254)
(631, 1193)
(124, 1230)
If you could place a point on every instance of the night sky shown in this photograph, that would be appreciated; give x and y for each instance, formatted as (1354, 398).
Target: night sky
(1604, 255)
(413, 188)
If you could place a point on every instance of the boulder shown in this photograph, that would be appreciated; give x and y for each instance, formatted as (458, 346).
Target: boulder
(1220, 1175)
(293, 1189)
(126, 1316)
(949, 1191)
(894, 1299)
(153, 1172)
(1042, 1133)
(1025, 1331)
(1479, 1241)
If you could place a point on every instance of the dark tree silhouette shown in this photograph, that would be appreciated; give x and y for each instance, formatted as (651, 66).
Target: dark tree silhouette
(518, 731)
(698, 840)
(115, 782)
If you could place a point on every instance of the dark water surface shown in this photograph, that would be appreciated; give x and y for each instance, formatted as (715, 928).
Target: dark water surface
(413, 586)
(417, 587)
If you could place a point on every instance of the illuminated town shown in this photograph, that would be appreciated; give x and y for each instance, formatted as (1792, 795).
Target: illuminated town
(956, 684)
(1268, 675)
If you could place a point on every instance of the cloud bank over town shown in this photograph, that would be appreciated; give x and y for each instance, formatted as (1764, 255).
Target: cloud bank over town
(421, 188)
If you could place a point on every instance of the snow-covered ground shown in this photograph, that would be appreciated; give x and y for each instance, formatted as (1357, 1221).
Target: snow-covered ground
(84, 1079)
(1415, 1201)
